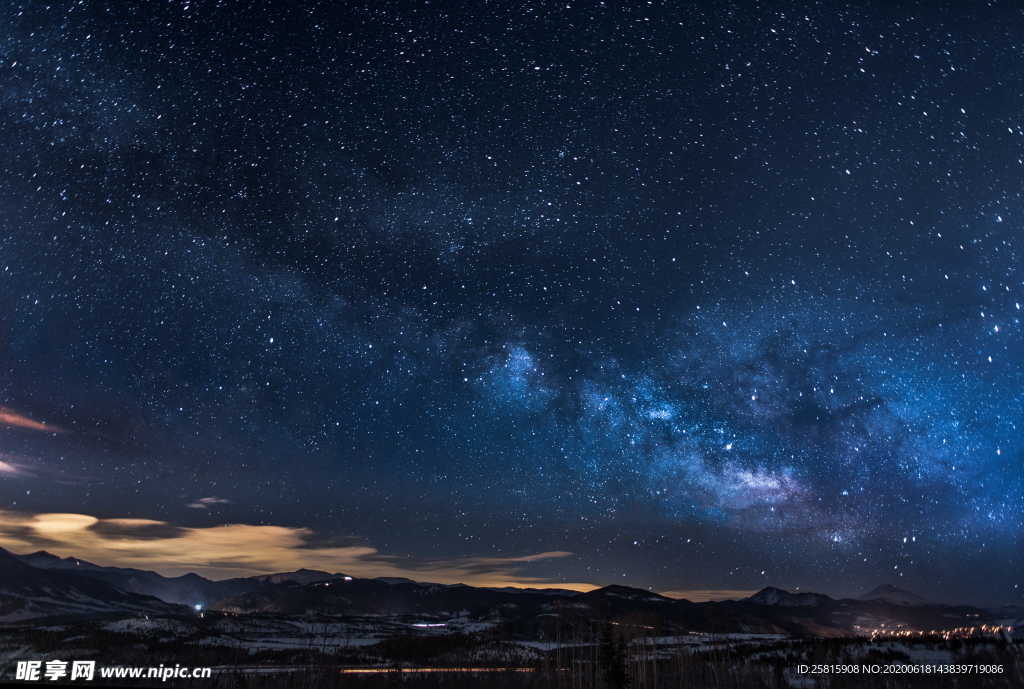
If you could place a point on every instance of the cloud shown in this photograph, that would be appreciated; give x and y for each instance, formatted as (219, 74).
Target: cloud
(10, 417)
(57, 524)
(527, 558)
(204, 503)
(27, 466)
(706, 595)
(11, 468)
(232, 550)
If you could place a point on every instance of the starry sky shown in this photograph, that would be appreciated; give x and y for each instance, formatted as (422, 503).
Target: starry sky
(699, 297)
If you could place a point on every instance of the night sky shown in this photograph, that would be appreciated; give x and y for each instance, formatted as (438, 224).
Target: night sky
(700, 297)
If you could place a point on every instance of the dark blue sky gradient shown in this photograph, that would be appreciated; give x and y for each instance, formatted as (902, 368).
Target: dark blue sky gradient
(712, 295)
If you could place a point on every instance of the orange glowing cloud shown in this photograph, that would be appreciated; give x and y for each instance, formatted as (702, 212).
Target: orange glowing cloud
(233, 550)
(10, 417)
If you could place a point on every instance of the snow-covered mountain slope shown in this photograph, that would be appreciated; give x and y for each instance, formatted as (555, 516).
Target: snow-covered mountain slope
(28, 592)
(891, 594)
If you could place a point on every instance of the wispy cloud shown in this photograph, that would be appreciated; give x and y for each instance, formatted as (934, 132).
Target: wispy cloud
(13, 465)
(705, 595)
(8, 469)
(247, 549)
(205, 503)
(551, 554)
(15, 419)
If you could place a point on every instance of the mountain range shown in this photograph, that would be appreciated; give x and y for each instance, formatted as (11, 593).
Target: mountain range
(28, 592)
(41, 585)
(892, 594)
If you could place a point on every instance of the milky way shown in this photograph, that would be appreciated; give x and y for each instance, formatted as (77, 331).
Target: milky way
(693, 296)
